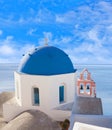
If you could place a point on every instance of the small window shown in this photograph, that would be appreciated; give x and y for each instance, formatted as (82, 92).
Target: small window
(81, 88)
(88, 88)
(36, 96)
(61, 94)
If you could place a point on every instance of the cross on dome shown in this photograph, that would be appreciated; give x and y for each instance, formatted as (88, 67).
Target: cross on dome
(46, 41)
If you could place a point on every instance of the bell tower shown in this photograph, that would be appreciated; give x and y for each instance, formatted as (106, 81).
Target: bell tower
(85, 85)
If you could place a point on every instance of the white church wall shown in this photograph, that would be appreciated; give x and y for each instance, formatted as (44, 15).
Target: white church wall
(18, 87)
(66, 80)
(48, 87)
(48, 91)
(29, 82)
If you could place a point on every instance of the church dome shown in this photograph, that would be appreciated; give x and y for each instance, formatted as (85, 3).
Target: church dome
(47, 60)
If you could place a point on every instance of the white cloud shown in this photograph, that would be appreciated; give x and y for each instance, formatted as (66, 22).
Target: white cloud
(14, 54)
(26, 48)
(105, 6)
(11, 51)
(92, 34)
(88, 53)
(96, 53)
(36, 16)
(5, 46)
(6, 50)
(31, 31)
(7, 40)
(97, 14)
(65, 40)
(96, 45)
(68, 17)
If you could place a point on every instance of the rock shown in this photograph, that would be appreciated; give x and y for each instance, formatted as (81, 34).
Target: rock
(4, 97)
(32, 120)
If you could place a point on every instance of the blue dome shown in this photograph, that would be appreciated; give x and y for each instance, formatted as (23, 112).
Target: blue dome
(47, 60)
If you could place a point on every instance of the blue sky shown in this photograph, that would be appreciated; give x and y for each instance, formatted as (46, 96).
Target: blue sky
(83, 29)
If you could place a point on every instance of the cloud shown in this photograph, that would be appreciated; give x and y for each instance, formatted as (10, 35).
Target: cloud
(7, 40)
(6, 50)
(44, 16)
(89, 54)
(14, 54)
(93, 49)
(90, 15)
(39, 16)
(105, 6)
(68, 17)
(93, 32)
(61, 42)
(11, 51)
(31, 31)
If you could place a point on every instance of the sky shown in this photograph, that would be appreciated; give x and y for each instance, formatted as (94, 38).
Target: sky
(82, 28)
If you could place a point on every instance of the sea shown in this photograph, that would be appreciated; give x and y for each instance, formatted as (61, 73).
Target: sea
(101, 74)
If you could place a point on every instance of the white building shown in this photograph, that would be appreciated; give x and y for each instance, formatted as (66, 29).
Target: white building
(45, 81)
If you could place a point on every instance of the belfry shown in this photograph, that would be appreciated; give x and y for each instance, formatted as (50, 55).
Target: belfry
(85, 85)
